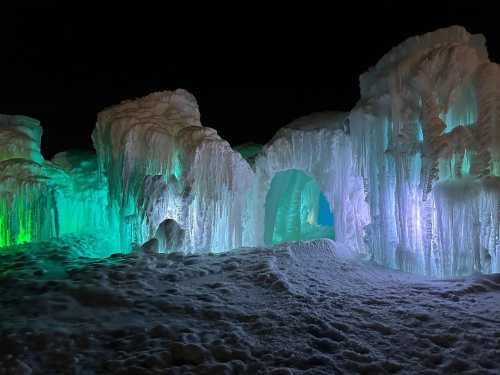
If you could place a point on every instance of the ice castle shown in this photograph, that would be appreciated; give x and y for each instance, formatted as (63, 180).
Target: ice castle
(410, 178)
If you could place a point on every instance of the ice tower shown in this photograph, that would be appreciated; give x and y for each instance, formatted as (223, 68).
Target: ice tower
(162, 164)
(41, 199)
(426, 140)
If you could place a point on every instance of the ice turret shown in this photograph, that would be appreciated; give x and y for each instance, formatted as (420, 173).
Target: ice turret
(41, 199)
(161, 163)
(20, 138)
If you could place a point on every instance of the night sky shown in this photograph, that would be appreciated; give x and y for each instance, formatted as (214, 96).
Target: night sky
(62, 66)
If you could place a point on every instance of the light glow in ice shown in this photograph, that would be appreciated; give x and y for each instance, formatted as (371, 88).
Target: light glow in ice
(296, 209)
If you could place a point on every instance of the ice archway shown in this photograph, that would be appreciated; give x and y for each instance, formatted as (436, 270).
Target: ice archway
(296, 209)
(319, 147)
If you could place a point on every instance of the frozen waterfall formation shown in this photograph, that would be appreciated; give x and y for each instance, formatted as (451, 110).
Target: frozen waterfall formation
(426, 139)
(409, 178)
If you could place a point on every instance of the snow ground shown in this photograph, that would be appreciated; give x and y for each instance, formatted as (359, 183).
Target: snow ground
(301, 308)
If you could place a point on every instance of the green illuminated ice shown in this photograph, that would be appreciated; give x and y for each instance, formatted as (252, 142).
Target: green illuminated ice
(41, 199)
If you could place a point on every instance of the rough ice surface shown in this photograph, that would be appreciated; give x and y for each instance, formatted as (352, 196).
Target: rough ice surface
(162, 164)
(410, 178)
(20, 138)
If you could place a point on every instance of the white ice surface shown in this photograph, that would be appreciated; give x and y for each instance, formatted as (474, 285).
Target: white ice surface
(302, 308)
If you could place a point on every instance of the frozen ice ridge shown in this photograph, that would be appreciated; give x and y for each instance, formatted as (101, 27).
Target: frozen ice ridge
(410, 178)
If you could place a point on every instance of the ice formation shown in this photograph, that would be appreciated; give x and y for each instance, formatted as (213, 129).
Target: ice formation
(41, 199)
(319, 147)
(409, 178)
(426, 141)
(162, 164)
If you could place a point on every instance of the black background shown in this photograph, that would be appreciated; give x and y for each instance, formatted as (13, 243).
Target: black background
(251, 69)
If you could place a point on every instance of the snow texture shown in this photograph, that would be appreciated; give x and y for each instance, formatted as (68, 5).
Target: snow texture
(296, 308)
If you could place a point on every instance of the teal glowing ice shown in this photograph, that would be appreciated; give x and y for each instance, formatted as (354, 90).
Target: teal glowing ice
(296, 209)
(463, 111)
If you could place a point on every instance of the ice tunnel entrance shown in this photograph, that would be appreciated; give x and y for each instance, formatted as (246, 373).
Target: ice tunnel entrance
(296, 209)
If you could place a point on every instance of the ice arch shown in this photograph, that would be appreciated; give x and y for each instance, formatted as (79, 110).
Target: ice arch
(319, 146)
(296, 209)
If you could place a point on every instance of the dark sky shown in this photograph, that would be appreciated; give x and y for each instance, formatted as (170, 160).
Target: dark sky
(252, 70)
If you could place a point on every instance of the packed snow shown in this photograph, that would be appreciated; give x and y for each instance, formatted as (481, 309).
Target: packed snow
(306, 307)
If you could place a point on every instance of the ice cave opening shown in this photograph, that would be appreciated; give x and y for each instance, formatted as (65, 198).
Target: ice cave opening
(296, 209)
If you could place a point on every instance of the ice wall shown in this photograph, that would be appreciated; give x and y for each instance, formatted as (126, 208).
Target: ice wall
(26, 201)
(26, 205)
(165, 170)
(162, 164)
(81, 196)
(426, 138)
